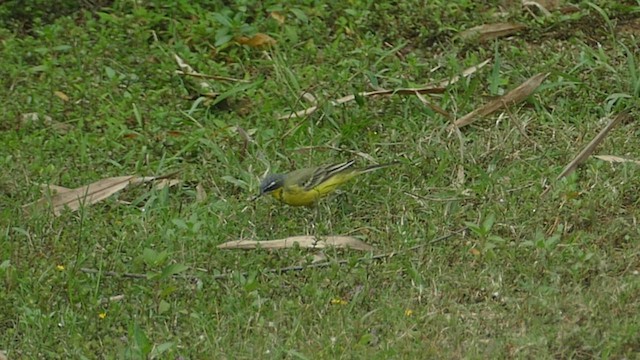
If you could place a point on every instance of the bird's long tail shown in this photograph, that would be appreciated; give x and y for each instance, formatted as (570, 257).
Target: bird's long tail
(376, 167)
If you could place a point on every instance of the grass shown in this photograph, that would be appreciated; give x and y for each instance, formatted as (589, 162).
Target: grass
(532, 277)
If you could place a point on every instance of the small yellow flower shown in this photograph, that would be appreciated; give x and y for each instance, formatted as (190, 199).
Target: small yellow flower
(408, 312)
(102, 315)
(338, 301)
(59, 267)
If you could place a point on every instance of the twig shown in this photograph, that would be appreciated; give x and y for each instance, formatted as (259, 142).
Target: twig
(348, 98)
(588, 150)
(279, 270)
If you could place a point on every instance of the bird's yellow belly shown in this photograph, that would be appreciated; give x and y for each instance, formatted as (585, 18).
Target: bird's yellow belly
(301, 197)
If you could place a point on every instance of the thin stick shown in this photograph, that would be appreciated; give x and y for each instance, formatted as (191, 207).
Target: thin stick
(589, 149)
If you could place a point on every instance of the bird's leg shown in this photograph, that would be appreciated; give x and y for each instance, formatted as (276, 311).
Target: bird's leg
(314, 221)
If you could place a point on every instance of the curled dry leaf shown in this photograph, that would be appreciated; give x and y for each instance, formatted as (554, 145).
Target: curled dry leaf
(257, 40)
(491, 31)
(616, 159)
(201, 193)
(62, 96)
(309, 242)
(277, 17)
(512, 97)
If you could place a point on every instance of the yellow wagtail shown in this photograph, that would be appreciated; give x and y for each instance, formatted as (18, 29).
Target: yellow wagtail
(306, 186)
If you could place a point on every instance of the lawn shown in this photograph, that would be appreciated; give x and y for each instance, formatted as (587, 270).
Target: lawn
(475, 245)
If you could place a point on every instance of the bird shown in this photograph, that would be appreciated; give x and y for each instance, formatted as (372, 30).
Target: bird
(304, 187)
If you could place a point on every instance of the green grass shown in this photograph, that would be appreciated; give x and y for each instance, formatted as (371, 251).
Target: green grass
(533, 277)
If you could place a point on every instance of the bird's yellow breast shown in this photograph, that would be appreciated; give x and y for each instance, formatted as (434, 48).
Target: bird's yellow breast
(296, 195)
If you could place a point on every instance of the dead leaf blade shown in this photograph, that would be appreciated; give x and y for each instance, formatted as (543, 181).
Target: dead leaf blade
(491, 31)
(512, 97)
(307, 242)
(90, 194)
(616, 159)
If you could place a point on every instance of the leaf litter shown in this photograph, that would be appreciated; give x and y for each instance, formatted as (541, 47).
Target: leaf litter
(60, 198)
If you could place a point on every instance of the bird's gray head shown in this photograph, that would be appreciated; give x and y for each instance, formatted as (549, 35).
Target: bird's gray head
(271, 183)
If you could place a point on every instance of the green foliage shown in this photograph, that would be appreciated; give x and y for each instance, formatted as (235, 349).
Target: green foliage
(91, 91)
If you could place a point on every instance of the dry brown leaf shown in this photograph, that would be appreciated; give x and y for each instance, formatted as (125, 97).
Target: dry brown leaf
(348, 98)
(62, 96)
(491, 31)
(89, 194)
(616, 159)
(301, 241)
(512, 97)
(257, 40)
(201, 193)
(277, 17)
